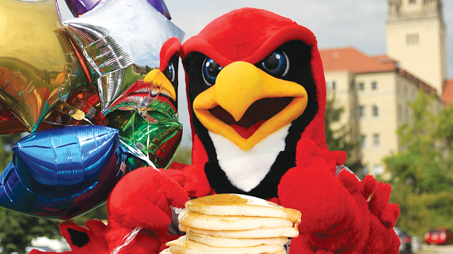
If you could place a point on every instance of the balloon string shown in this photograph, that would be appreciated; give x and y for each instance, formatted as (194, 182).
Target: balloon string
(127, 240)
(147, 140)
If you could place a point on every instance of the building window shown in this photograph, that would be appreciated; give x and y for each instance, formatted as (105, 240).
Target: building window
(400, 112)
(361, 87)
(411, 39)
(378, 170)
(333, 85)
(412, 1)
(361, 111)
(362, 141)
(376, 140)
(406, 114)
(375, 111)
(374, 85)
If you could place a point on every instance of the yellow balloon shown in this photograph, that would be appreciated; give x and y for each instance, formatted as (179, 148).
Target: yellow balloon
(38, 64)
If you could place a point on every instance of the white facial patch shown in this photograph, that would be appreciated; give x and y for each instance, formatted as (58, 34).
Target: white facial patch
(246, 169)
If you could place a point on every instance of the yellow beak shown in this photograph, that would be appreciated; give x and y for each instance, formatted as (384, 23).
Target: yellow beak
(237, 87)
(156, 77)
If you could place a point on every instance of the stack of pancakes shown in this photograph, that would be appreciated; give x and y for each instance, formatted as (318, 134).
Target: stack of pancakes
(232, 223)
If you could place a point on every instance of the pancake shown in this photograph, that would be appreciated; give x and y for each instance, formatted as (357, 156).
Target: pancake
(234, 224)
(223, 242)
(217, 222)
(166, 251)
(253, 233)
(240, 205)
(183, 246)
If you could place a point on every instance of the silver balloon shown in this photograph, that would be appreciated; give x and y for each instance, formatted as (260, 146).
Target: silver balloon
(121, 40)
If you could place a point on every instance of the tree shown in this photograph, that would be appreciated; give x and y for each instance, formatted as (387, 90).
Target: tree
(421, 165)
(340, 138)
(444, 133)
(422, 182)
(6, 143)
(16, 229)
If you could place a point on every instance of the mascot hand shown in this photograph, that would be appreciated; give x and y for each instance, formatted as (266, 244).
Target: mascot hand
(142, 199)
(377, 235)
(328, 210)
(337, 212)
(89, 239)
(331, 219)
(192, 178)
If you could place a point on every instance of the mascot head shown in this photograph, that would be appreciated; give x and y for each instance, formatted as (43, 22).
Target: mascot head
(255, 86)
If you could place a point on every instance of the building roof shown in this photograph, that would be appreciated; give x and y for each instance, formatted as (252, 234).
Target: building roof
(447, 93)
(352, 60)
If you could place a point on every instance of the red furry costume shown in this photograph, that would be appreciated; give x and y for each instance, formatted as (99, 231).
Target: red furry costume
(256, 91)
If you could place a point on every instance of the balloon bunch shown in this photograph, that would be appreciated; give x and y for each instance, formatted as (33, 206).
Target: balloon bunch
(94, 95)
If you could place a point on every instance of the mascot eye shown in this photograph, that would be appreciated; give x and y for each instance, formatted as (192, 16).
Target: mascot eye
(276, 64)
(170, 72)
(210, 71)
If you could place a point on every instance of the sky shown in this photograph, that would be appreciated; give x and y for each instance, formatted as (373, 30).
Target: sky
(360, 24)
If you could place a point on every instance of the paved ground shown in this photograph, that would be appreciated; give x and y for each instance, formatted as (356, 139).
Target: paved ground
(436, 249)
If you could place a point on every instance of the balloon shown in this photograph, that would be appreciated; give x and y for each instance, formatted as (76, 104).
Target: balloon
(9, 124)
(82, 109)
(65, 83)
(64, 172)
(157, 134)
(5, 114)
(80, 7)
(146, 113)
(121, 41)
(38, 64)
(161, 7)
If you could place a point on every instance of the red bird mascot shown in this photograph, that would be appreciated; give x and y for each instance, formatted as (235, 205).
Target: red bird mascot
(257, 94)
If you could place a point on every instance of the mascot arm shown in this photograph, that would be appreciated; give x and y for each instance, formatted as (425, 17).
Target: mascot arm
(338, 213)
(143, 199)
(331, 219)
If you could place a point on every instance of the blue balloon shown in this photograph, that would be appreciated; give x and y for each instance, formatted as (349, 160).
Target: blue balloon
(61, 173)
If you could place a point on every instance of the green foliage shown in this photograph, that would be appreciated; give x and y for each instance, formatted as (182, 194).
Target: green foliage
(17, 230)
(423, 179)
(444, 133)
(339, 139)
(6, 142)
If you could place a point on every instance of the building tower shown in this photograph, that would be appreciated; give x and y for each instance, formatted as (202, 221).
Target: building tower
(415, 32)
